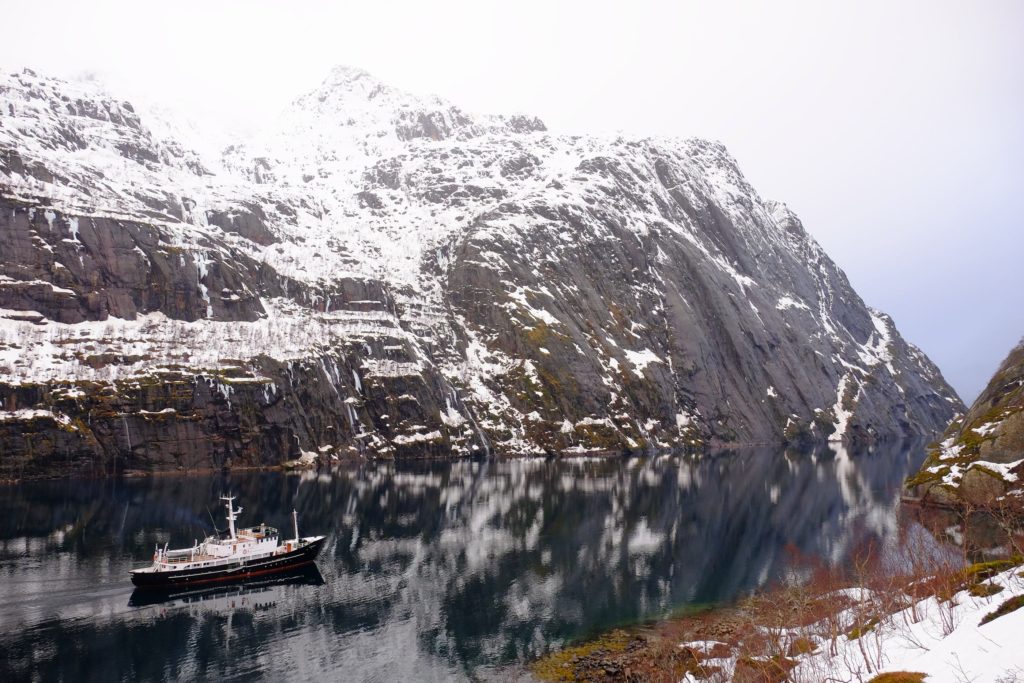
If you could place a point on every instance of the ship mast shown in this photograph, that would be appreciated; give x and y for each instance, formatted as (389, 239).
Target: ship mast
(232, 514)
(295, 523)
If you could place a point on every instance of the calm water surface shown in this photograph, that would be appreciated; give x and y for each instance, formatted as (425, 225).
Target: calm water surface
(437, 571)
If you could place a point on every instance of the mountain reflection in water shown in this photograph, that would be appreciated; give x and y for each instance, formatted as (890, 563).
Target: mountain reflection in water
(431, 571)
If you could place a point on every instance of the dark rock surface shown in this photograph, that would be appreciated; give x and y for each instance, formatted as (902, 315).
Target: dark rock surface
(72, 269)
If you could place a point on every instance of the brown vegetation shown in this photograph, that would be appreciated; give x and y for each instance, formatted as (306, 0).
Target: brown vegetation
(765, 634)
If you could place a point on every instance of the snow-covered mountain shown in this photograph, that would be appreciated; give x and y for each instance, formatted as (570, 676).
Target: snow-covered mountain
(387, 275)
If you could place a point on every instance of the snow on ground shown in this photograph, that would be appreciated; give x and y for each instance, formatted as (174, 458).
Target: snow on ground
(57, 351)
(789, 302)
(949, 452)
(943, 639)
(877, 350)
(640, 360)
(986, 429)
(1000, 468)
(842, 415)
(25, 414)
(403, 439)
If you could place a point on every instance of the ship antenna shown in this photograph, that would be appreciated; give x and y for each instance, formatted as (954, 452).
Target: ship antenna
(212, 520)
(232, 514)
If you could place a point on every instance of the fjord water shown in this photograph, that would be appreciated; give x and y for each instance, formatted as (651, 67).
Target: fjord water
(431, 571)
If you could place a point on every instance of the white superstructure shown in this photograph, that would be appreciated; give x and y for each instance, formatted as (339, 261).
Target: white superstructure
(239, 546)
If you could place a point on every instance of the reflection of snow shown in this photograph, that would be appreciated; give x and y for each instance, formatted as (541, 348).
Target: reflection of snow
(644, 540)
(861, 505)
(518, 510)
(539, 551)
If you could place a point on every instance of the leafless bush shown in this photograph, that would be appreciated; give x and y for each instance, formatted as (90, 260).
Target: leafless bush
(1015, 675)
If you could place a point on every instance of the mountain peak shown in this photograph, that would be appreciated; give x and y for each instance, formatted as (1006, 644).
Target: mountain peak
(349, 85)
(345, 75)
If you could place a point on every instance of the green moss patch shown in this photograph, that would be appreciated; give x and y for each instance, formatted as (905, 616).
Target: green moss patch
(981, 571)
(1011, 605)
(620, 655)
(559, 666)
(984, 590)
(770, 670)
(862, 629)
(801, 646)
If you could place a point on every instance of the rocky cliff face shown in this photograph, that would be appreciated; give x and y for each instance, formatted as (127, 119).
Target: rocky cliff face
(980, 459)
(385, 275)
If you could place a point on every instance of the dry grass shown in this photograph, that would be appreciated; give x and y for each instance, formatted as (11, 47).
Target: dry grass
(898, 677)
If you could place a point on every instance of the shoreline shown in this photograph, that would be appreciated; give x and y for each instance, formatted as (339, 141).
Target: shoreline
(858, 631)
(847, 622)
(290, 466)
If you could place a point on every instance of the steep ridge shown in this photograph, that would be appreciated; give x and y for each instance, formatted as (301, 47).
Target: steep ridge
(386, 275)
(980, 458)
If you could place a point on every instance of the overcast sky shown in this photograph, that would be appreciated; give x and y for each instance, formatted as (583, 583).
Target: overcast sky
(894, 129)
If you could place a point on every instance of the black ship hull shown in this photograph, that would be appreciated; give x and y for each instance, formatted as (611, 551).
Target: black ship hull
(240, 571)
(305, 575)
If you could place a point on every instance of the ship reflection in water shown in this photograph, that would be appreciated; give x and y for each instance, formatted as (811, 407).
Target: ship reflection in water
(251, 592)
(430, 571)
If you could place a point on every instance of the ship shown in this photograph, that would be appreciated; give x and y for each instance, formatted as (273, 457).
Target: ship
(239, 555)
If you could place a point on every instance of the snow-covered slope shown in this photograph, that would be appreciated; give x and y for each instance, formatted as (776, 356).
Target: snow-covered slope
(891, 636)
(387, 274)
(980, 459)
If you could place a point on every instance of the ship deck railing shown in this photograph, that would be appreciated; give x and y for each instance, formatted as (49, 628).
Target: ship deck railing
(210, 560)
(184, 559)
